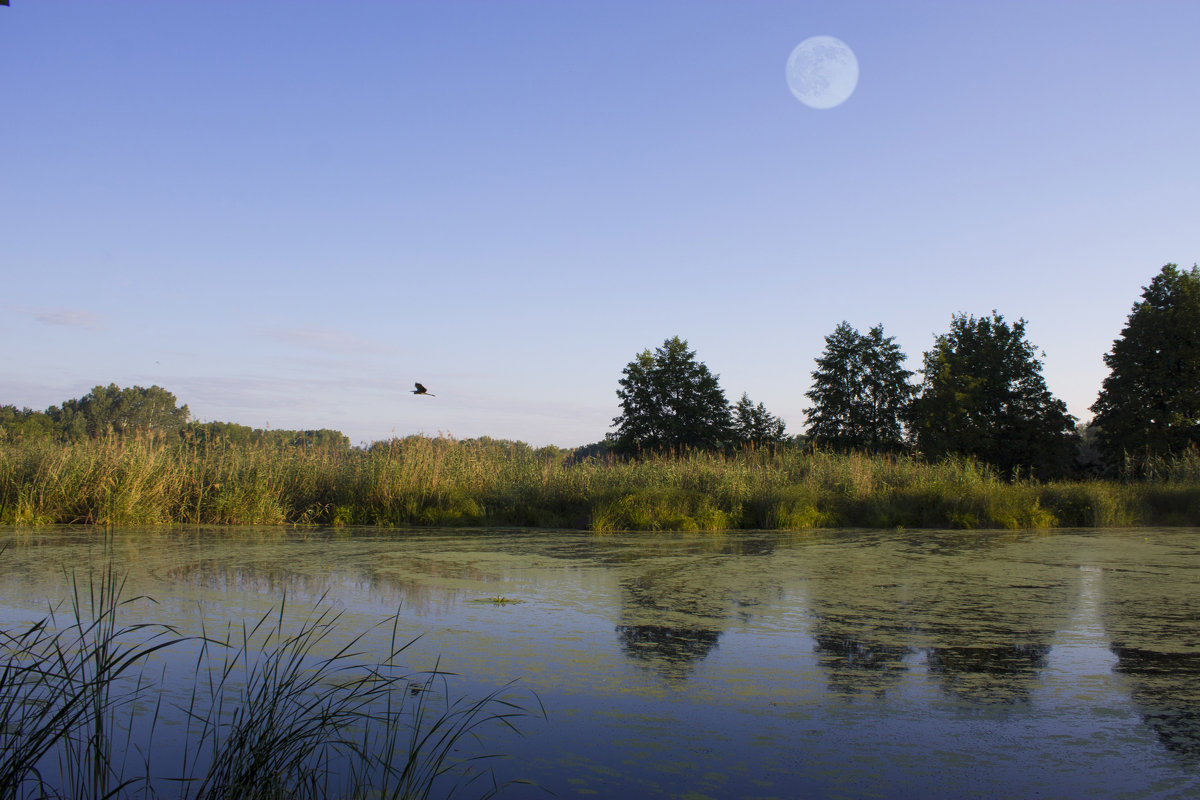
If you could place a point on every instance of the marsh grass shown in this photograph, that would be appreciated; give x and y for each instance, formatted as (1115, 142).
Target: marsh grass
(424, 481)
(274, 712)
(59, 689)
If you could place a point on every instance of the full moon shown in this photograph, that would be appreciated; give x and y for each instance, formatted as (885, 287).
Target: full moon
(822, 72)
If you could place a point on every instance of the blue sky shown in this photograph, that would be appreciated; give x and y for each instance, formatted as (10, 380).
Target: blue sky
(287, 212)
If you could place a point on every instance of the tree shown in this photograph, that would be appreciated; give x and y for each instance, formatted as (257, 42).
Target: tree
(325, 439)
(1150, 401)
(983, 395)
(670, 401)
(860, 390)
(121, 411)
(754, 425)
(24, 424)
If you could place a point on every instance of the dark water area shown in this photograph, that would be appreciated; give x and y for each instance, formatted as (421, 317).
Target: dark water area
(749, 664)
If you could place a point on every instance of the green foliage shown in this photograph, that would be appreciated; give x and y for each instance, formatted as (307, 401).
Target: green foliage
(983, 395)
(753, 425)
(789, 508)
(859, 392)
(111, 409)
(1094, 504)
(1150, 402)
(661, 509)
(24, 424)
(670, 402)
(138, 413)
(441, 481)
(323, 439)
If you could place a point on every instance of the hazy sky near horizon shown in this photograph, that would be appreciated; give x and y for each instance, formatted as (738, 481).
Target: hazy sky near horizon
(287, 212)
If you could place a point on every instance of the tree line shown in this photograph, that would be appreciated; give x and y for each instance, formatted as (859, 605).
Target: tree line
(981, 394)
(140, 411)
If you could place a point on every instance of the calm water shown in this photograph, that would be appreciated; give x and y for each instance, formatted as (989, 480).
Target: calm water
(830, 664)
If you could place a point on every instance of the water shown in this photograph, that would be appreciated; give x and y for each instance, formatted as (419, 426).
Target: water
(750, 664)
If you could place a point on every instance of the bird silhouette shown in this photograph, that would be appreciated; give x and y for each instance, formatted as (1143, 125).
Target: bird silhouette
(422, 390)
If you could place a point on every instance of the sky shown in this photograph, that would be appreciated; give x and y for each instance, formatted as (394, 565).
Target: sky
(286, 212)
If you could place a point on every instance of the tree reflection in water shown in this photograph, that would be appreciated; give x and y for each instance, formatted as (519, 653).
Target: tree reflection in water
(917, 626)
(1170, 710)
(671, 651)
(858, 666)
(681, 595)
(1151, 613)
(989, 673)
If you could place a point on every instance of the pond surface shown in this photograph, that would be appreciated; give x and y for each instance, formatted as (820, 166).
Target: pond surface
(749, 664)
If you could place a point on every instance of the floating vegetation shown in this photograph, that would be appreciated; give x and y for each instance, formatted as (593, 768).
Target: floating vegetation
(498, 600)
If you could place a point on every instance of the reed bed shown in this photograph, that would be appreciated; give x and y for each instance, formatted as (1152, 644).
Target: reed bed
(424, 481)
(274, 712)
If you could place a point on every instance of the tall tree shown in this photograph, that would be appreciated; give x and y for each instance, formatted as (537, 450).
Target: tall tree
(670, 401)
(983, 395)
(121, 411)
(860, 389)
(754, 425)
(1150, 401)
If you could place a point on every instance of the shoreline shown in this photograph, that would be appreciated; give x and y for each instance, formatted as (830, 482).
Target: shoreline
(442, 482)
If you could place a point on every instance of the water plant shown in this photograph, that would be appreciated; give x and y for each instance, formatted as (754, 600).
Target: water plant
(440, 481)
(58, 693)
(274, 711)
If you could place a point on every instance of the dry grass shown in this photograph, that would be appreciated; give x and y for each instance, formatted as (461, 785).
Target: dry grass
(423, 481)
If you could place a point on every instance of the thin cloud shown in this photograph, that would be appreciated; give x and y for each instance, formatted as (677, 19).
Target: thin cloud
(66, 317)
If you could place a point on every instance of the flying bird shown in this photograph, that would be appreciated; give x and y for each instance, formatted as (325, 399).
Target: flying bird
(422, 390)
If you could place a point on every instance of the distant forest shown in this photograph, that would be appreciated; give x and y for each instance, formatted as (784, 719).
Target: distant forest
(115, 412)
(138, 411)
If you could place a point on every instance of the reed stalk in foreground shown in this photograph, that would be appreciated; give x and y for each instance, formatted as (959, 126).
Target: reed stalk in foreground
(269, 715)
(57, 695)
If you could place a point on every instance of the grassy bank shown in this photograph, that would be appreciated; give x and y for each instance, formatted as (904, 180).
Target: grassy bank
(428, 481)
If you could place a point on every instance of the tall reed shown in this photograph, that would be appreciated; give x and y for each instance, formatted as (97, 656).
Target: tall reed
(441, 481)
(273, 712)
(57, 698)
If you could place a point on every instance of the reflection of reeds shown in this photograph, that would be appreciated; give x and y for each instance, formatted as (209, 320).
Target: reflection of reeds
(269, 715)
(441, 481)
